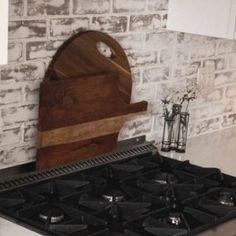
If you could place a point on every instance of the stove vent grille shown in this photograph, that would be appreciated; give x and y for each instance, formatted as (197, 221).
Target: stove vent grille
(39, 176)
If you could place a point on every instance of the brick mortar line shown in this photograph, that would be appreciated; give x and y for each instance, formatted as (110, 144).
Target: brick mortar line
(83, 14)
(18, 125)
(212, 131)
(9, 146)
(44, 39)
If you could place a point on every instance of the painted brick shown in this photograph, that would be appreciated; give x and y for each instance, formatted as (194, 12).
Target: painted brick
(67, 26)
(219, 64)
(163, 64)
(186, 70)
(16, 8)
(214, 95)
(155, 107)
(15, 52)
(181, 38)
(230, 105)
(166, 56)
(219, 108)
(194, 39)
(230, 91)
(158, 123)
(142, 58)
(18, 155)
(164, 20)
(10, 95)
(110, 24)
(1, 120)
(136, 75)
(156, 5)
(23, 72)
(222, 78)
(202, 127)
(91, 6)
(200, 50)
(182, 55)
(35, 50)
(226, 46)
(10, 136)
(145, 22)
(130, 41)
(155, 74)
(120, 6)
(156, 137)
(32, 93)
(174, 90)
(14, 115)
(48, 7)
(136, 127)
(199, 113)
(3, 158)
(232, 61)
(27, 29)
(141, 93)
(231, 77)
(159, 40)
(30, 132)
(229, 120)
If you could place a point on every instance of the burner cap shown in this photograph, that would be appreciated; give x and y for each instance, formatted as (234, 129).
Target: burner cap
(113, 195)
(165, 178)
(226, 199)
(174, 219)
(55, 215)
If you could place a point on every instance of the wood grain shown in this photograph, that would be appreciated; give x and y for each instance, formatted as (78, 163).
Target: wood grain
(79, 90)
(87, 130)
(84, 101)
(61, 154)
(79, 56)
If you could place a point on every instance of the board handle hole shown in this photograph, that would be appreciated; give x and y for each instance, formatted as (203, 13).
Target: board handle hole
(105, 50)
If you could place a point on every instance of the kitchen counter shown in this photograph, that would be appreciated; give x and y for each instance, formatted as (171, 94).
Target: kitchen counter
(217, 149)
(7, 227)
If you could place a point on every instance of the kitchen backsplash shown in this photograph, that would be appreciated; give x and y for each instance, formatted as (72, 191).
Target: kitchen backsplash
(163, 62)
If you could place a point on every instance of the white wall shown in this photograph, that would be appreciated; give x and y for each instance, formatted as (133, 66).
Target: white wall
(3, 31)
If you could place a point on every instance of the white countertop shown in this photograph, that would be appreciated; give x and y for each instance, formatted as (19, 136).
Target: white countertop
(8, 228)
(216, 149)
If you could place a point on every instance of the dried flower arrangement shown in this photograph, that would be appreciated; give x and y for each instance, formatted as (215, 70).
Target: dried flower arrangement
(176, 117)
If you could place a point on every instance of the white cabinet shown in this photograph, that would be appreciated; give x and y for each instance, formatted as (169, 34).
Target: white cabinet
(3, 31)
(206, 17)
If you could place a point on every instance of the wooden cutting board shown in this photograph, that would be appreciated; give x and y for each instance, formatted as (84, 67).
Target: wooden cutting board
(84, 100)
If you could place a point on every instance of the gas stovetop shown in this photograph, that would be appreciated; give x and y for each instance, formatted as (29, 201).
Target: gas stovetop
(138, 193)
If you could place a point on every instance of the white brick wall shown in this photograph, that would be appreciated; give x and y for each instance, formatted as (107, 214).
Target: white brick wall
(162, 61)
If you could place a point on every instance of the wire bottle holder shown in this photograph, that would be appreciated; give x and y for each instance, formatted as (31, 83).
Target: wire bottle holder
(175, 130)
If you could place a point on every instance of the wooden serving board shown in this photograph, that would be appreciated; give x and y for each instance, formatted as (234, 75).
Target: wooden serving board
(79, 56)
(84, 101)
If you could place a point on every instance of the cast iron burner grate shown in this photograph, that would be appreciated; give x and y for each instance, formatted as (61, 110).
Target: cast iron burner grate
(39, 176)
(134, 194)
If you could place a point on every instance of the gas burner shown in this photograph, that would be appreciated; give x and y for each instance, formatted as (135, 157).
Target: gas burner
(165, 178)
(113, 196)
(226, 198)
(126, 198)
(174, 219)
(54, 215)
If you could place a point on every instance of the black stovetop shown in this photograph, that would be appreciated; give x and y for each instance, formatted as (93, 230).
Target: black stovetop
(145, 195)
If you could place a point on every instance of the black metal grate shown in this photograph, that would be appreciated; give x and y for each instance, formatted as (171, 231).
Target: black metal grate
(38, 176)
